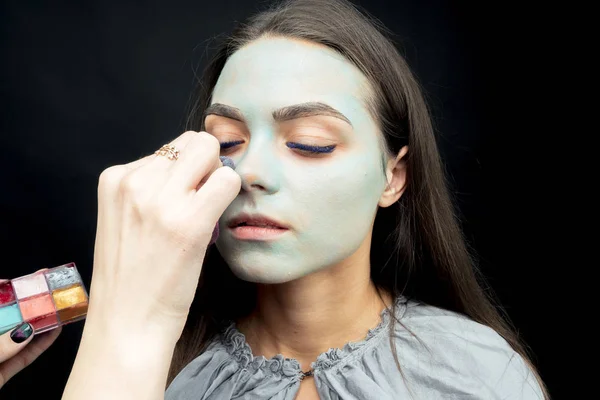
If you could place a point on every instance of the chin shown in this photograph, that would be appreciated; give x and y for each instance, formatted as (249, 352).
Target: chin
(260, 274)
(259, 263)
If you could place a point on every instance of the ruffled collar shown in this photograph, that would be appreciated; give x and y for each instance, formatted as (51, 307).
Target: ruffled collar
(235, 343)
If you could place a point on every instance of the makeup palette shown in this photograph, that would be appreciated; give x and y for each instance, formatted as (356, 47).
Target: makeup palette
(46, 299)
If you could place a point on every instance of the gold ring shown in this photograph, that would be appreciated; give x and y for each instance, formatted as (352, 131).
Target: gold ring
(167, 150)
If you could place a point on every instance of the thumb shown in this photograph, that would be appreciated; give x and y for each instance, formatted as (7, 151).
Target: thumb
(14, 341)
(226, 162)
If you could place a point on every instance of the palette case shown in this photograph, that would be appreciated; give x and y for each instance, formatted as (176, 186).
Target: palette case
(46, 299)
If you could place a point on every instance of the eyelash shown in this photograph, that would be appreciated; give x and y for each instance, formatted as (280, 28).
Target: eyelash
(303, 147)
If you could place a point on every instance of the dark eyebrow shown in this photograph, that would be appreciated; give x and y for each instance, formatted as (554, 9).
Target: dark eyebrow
(282, 114)
(307, 110)
(223, 111)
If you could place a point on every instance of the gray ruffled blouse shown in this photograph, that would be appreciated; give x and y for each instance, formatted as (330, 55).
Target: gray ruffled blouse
(442, 355)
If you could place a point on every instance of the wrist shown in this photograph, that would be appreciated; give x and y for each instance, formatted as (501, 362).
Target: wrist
(129, 343)
(121, 361)
(119, 325)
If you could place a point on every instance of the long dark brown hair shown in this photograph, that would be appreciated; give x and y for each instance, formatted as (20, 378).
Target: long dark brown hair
(418, 249)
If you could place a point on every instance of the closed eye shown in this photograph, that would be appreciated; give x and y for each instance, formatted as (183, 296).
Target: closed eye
(311, 149)
(227, 145)
(302, 147)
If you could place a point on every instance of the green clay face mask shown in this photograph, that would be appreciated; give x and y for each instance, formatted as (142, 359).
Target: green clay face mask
(329, 198)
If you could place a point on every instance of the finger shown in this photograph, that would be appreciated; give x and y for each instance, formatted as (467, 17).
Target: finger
(109, 214)
(139, 163)
(152, 176)
(15, 340)
(216, 194)
(226, 162)
(27, 355)
(198, 159)
(180, 143)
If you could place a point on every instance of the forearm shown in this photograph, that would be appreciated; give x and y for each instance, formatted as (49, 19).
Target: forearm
(148, 259)
(120, 364)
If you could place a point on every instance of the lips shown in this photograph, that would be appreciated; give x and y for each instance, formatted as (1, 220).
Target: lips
(260, 221)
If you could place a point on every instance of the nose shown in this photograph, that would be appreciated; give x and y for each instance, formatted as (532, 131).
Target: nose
(258, 167)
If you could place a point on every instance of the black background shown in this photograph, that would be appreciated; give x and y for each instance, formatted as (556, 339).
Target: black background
(89, 84)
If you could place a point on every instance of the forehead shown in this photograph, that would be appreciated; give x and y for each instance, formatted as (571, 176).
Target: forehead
(270, 73)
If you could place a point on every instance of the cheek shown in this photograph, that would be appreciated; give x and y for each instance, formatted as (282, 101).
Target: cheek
(341, 196)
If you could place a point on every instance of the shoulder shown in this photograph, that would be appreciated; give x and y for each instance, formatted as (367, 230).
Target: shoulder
(458, 349)
(442, 323)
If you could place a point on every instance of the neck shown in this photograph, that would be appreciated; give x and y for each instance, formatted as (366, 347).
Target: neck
(305, 317)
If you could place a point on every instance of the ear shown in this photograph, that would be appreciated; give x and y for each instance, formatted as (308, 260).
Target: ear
(396, 177)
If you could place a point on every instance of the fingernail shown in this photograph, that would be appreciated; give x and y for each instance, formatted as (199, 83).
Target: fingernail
(21, 332)
(227, 161)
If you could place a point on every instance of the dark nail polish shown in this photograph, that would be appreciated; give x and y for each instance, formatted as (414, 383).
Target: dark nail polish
(227, 161)
(21, 332)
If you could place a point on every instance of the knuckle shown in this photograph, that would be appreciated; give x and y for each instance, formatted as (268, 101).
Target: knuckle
(108, 183)
(134, 192)
(184, 138)
(140, 208)
(209, 142)
(131, 183)
(110, 176)
(229, 177)
(189, 134)
(3, 350)
(26, 360)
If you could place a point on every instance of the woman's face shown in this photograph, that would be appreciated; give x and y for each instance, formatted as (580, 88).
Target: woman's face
(328, 199)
